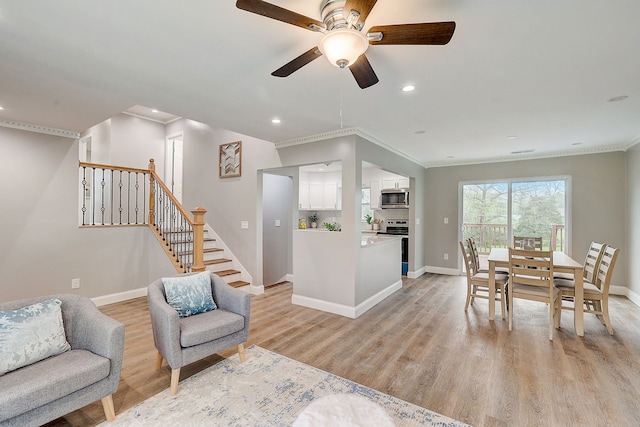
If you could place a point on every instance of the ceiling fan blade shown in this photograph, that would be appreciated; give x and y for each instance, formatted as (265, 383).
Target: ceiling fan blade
(427, 33)
(363, 72)
(298, 63)
(363, 7)
(281, 14)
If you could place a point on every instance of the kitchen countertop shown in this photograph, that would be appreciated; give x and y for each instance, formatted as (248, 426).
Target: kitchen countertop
(368, 241)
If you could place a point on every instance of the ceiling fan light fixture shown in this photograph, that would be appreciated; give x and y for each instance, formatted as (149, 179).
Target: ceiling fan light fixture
(343, 46)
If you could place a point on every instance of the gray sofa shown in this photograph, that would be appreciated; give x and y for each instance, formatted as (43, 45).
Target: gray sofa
(46, 390)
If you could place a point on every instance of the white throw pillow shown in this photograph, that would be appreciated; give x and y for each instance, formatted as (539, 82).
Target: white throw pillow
(31, 334)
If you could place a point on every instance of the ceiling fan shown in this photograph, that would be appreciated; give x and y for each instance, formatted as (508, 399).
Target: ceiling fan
(342, 41)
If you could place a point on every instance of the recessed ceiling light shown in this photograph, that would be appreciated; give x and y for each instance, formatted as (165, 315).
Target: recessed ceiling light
(420, 132)
(1, 107)
(275, 121)
(512, 137)
(154, 111)
(408, 88)
(618, 98)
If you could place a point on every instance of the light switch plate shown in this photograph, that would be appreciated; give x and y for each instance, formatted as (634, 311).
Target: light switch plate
(277, 223)
(446, 220)
(244, 224)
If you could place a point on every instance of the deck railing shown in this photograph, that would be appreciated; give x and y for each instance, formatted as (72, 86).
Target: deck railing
(489, 236)
(123, 196)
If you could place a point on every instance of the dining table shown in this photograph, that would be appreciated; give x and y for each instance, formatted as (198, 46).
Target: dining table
(563, 263)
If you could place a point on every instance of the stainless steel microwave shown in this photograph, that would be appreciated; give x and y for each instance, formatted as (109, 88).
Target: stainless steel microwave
(394, 198)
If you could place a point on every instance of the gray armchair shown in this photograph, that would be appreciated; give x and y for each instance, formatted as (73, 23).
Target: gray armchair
(181, 341)
(48, 389)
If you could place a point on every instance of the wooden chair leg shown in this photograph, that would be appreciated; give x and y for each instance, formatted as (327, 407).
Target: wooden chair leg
(605, 316)
(107, 405)
(158, 361)
(243, 357)
(175, 379)
(466, 305)
(503, 303)
(510, 309)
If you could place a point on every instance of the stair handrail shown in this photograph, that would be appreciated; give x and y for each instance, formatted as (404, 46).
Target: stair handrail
(123, 196)
(196, 224)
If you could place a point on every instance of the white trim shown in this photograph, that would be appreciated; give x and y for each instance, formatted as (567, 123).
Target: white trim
(344, 132)
(40, 129)
(415, 274)
(119, 297)
(244, 273)
(632, 296)
(344, 310)
(442, 270)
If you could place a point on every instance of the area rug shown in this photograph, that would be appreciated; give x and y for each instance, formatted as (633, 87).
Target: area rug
(267, 390)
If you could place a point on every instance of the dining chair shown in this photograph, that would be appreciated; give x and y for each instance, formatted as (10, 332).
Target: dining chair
(591, 263)
(476, 259)
(478, 282)
(531, 278)
(529, 243)
(596, 293)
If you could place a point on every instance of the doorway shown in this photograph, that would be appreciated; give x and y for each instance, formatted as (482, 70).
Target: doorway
(173, 164)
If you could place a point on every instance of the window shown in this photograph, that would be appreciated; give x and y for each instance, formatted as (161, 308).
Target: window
(366, 203)
(494, 212)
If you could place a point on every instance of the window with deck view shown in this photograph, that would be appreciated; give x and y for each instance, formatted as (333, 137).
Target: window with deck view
(494, 212)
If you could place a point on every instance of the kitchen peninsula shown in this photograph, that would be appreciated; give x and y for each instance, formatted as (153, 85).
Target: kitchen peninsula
(331, 276)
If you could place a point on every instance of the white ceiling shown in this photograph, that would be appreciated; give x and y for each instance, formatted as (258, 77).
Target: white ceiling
(539, 70)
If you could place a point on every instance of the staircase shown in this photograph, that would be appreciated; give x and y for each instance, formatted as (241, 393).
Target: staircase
(214, 257)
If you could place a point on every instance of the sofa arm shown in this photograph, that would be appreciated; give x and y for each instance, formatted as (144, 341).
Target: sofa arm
(230, 298)
(165, 323)
(96, 332)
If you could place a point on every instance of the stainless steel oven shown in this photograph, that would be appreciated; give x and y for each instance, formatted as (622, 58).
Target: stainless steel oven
(399, 227)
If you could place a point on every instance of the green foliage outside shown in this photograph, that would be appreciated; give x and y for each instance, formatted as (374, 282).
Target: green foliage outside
(535, 207)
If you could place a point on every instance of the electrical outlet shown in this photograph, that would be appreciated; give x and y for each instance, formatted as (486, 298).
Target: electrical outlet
(446, 220)
(75, 283)
(446, 257)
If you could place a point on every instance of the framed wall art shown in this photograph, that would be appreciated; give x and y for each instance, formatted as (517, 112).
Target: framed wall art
(231, 159)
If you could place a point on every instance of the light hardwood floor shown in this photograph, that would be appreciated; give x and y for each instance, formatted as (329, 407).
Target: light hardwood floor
(420, 346)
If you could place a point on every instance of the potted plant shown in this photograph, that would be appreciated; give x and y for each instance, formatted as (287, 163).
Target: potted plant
(368, 218)
(313, 219)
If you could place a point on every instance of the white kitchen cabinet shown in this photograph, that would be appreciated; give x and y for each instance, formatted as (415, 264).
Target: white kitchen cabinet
(330, 196)
(316, 195)
(374, 197)
(401, 182)
(304, 201)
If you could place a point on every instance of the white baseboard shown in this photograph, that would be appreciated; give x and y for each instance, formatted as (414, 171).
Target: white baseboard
(345, 310)
(441, 270)
(119, 297)
(415, 274)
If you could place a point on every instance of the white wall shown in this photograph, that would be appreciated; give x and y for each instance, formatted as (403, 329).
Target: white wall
(42, 246)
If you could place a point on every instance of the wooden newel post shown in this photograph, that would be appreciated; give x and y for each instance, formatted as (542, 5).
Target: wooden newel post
(198, 239)
(152, 193)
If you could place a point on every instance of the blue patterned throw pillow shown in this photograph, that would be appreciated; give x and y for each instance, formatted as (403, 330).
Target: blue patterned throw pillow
(31, 334)
(191, 294)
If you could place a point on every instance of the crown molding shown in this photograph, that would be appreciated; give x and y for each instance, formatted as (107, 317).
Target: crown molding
(531, 156)
(353, 131)
(39, 129)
